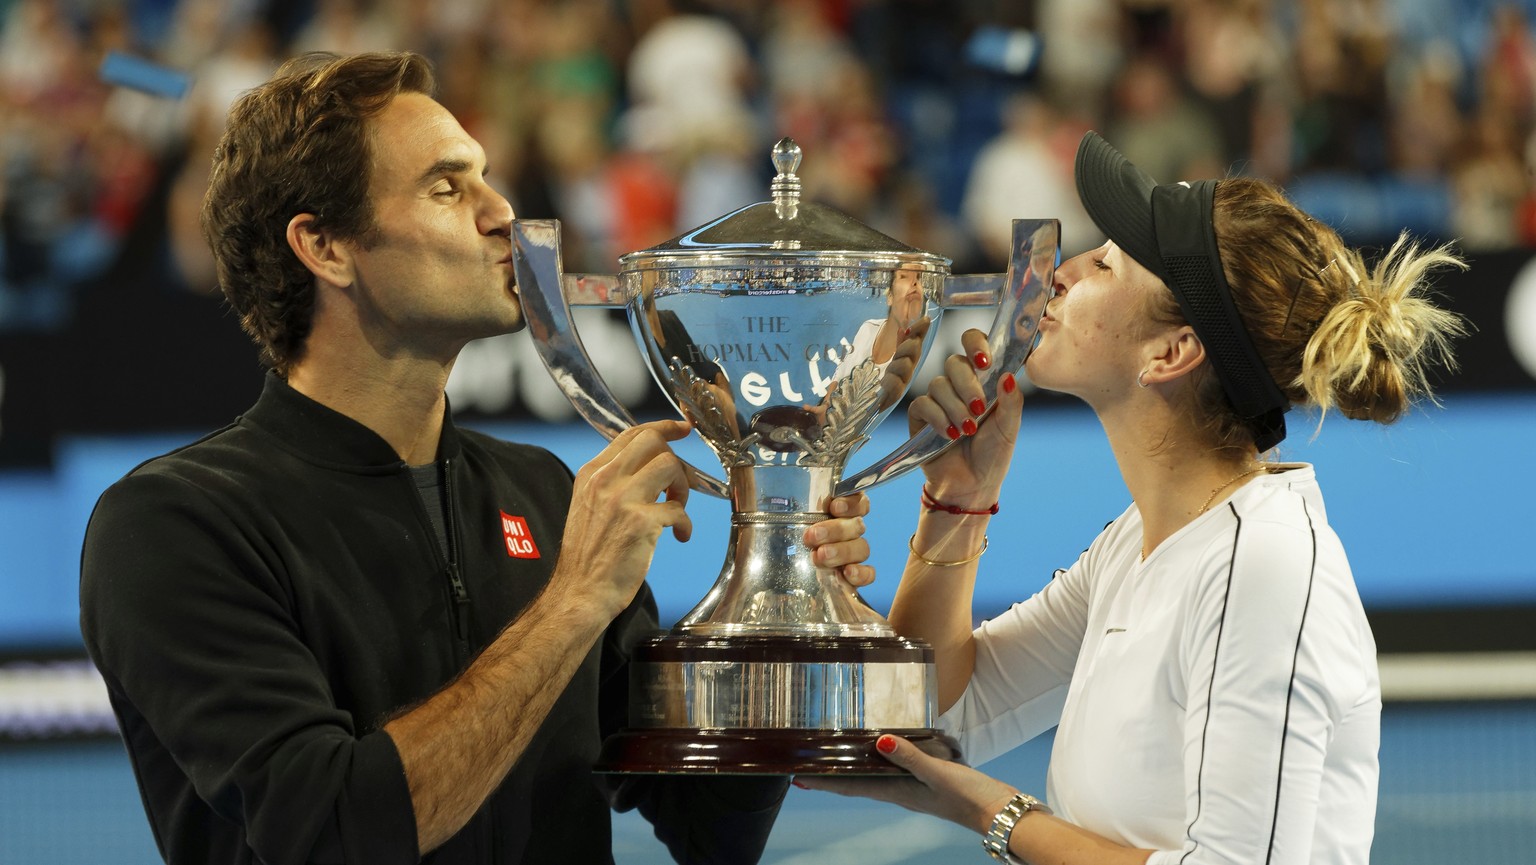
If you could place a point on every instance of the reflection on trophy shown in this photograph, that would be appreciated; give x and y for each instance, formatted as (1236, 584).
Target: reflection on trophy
(784, 332)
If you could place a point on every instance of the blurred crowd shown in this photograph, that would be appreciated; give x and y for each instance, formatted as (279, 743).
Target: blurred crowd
(935, 121)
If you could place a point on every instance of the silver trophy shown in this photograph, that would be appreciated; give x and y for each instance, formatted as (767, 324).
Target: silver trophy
(784, 332)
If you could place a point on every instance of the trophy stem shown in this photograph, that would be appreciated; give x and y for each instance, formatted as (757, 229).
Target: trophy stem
(770, 586)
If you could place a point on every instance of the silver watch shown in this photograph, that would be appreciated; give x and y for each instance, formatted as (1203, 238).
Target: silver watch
(995, 842)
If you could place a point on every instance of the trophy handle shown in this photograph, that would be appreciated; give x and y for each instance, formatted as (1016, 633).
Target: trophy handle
(543, 289)
(1020, 297)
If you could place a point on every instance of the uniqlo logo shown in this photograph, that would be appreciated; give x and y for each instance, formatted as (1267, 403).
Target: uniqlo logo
(520, 543)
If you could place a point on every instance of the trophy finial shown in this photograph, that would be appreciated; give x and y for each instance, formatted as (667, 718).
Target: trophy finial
(786, 187)
(786, 157)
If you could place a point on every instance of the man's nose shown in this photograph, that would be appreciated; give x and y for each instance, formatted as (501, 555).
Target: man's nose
(496, 217)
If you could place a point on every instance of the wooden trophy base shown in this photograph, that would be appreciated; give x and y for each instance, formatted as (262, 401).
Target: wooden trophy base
(762, 752)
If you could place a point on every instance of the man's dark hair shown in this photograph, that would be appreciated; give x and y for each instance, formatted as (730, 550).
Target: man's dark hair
(296, 144)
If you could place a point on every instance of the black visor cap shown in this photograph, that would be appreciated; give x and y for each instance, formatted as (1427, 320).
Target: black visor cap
(1168, 230)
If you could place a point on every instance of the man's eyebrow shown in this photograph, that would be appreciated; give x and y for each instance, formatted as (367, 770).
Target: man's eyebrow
(443, 168)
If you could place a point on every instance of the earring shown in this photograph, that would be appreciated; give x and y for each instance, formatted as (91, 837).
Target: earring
(1139, 383)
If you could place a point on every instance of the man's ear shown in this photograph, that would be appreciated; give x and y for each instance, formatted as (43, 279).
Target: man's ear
(317, 249)
(1176, 354)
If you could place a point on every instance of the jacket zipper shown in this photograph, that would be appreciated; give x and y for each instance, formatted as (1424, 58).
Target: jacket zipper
(461, 624)
(455, 579)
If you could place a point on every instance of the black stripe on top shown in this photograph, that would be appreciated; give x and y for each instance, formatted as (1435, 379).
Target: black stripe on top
(1290, 691)
(1221, 627)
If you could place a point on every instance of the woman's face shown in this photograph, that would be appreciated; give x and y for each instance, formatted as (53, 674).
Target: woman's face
(1095, 328)
(906, 298)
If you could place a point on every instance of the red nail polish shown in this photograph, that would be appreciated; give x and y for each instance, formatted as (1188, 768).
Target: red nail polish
(978, 407)
(981, 360)
(953, 432)
(886, 744)
(1010, 384)
(969, 427)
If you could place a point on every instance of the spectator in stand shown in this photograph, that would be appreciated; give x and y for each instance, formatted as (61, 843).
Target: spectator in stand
(1233, 61)
(1490, 182)
(1020, 174)
(1160, 126)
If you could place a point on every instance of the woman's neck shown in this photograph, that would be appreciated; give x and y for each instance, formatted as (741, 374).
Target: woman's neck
(1174, 476)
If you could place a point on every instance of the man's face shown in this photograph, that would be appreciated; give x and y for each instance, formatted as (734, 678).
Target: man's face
(437, 270)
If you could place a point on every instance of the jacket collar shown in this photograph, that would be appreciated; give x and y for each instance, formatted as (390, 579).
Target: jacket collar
(325, 435)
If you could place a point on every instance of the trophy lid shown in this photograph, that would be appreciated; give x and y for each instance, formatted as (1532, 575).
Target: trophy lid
(784, 229)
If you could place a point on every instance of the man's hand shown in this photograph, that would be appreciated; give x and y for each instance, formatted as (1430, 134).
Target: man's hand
(621, 502)
(458, 745)
(838, 543)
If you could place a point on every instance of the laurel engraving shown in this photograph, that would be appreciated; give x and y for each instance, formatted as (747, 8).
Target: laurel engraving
(702, 406)
(850, 405)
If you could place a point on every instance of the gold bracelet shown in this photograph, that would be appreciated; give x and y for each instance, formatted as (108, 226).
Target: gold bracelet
(912, 545)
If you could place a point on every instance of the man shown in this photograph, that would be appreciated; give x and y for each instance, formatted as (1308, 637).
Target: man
(341, 629)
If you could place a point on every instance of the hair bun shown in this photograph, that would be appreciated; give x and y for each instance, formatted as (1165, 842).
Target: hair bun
(1369, 356)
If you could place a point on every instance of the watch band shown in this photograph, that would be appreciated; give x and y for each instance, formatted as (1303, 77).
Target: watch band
(995, 842)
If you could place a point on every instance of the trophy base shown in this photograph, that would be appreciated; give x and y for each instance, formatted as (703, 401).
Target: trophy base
(761, 752)
(775, 705)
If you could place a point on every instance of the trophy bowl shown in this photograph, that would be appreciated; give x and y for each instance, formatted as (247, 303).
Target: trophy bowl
(784, 332)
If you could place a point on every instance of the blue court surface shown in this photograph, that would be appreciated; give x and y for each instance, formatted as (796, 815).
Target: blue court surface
(1458, 785)
(1435, 512)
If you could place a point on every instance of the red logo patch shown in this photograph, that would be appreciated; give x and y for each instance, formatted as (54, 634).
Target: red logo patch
(520, 543)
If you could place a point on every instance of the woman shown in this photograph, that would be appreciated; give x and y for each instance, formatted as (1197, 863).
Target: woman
(1206, 661)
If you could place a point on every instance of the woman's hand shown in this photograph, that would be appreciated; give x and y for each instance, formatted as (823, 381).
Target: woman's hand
(971, 473)
(962, 795)
(838, 543)
(952, 791)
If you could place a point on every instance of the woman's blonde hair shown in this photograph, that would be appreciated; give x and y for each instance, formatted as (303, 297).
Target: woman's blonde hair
(1370, 354)
(1334, 332)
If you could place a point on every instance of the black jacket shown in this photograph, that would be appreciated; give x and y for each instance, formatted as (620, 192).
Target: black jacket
(260, 602)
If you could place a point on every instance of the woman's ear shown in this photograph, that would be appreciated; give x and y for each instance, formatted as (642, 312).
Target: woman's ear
(1175, 354)
(320, 251)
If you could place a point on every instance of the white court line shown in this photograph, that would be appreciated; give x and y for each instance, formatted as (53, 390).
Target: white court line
(1458, 676)
(68, 697)
(53, 698)
(1459, 809)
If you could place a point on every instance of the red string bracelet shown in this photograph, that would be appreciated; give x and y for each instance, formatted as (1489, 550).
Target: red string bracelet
(933, 504)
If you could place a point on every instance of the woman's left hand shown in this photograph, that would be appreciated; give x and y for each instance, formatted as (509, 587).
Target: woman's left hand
(971, 473)
(953, 791)
(838, 543)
